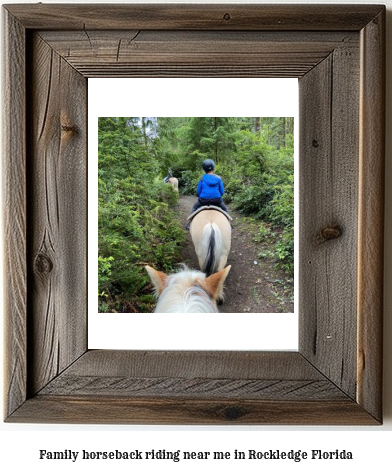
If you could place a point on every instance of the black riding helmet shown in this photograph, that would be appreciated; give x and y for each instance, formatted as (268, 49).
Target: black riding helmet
(208, 165)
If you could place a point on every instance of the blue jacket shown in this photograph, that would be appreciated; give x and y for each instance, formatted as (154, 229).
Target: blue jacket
(210, 187)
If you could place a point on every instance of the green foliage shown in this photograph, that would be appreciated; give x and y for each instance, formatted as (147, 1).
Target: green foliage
(188, 182)
(136, 225)
(285, 250)
(262, 185)
(254, 157)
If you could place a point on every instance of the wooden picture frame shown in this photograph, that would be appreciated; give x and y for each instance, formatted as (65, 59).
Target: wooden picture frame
(338, 54)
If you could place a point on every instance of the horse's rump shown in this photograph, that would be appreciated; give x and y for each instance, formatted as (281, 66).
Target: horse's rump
(174, 182)
(211, 236)
(209, 207)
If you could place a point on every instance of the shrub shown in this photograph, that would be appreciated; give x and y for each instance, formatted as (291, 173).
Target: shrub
(188, 182)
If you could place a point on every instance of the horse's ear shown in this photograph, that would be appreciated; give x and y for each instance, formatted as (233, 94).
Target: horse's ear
(158, 279)
(214, 283)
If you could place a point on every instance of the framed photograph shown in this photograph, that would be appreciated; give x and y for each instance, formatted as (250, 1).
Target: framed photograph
(337, 53)
(260, 286)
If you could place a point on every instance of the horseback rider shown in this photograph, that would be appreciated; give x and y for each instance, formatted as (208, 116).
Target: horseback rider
(170, 175)
(210, 188)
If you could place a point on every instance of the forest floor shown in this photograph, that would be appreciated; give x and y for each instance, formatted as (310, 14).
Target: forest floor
(254, 285)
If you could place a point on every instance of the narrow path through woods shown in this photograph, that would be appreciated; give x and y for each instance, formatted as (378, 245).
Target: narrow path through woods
(254, 285)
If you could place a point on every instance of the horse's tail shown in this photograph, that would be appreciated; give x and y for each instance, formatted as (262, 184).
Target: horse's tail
(211, 241)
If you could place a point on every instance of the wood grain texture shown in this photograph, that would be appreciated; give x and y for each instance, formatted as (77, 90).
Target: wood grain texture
(192, 387)
(188, 387)
(329, 98)
(194, 17)
(206, 374)
(209, 364)
(57, 215)
(103, 409)
(336, 376)
(14, 212)
(371, 216)
(196, 53)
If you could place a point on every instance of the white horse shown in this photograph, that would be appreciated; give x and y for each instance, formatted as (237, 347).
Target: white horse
(188, 291)
(211, 235)
(174, 182)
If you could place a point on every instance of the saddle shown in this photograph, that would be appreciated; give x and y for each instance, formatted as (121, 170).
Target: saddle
(206, 208)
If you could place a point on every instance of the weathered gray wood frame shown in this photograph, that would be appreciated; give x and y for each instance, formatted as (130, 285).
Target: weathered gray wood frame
(337, 52)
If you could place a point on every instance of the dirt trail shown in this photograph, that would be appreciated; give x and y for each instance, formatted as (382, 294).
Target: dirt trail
(253, 285)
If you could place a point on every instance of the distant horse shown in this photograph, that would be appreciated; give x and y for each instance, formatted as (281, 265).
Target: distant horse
(188, 291)
(211, 235)
(172, 180)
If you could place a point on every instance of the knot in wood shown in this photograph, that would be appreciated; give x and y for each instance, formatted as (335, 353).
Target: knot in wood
(43, 264)
(328, 233)
(227, 16)
(68, 128)
(232, 412)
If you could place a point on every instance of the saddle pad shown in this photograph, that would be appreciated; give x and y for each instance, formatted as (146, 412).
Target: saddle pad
(206, 208)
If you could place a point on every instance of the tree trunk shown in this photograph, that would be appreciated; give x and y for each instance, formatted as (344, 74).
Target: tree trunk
(257, 124)
(284, 132)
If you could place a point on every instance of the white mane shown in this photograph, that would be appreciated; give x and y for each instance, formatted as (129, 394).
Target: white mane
(182, 294)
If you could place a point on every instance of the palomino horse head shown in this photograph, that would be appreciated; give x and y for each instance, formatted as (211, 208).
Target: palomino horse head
(188, 291)
(211, 235)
